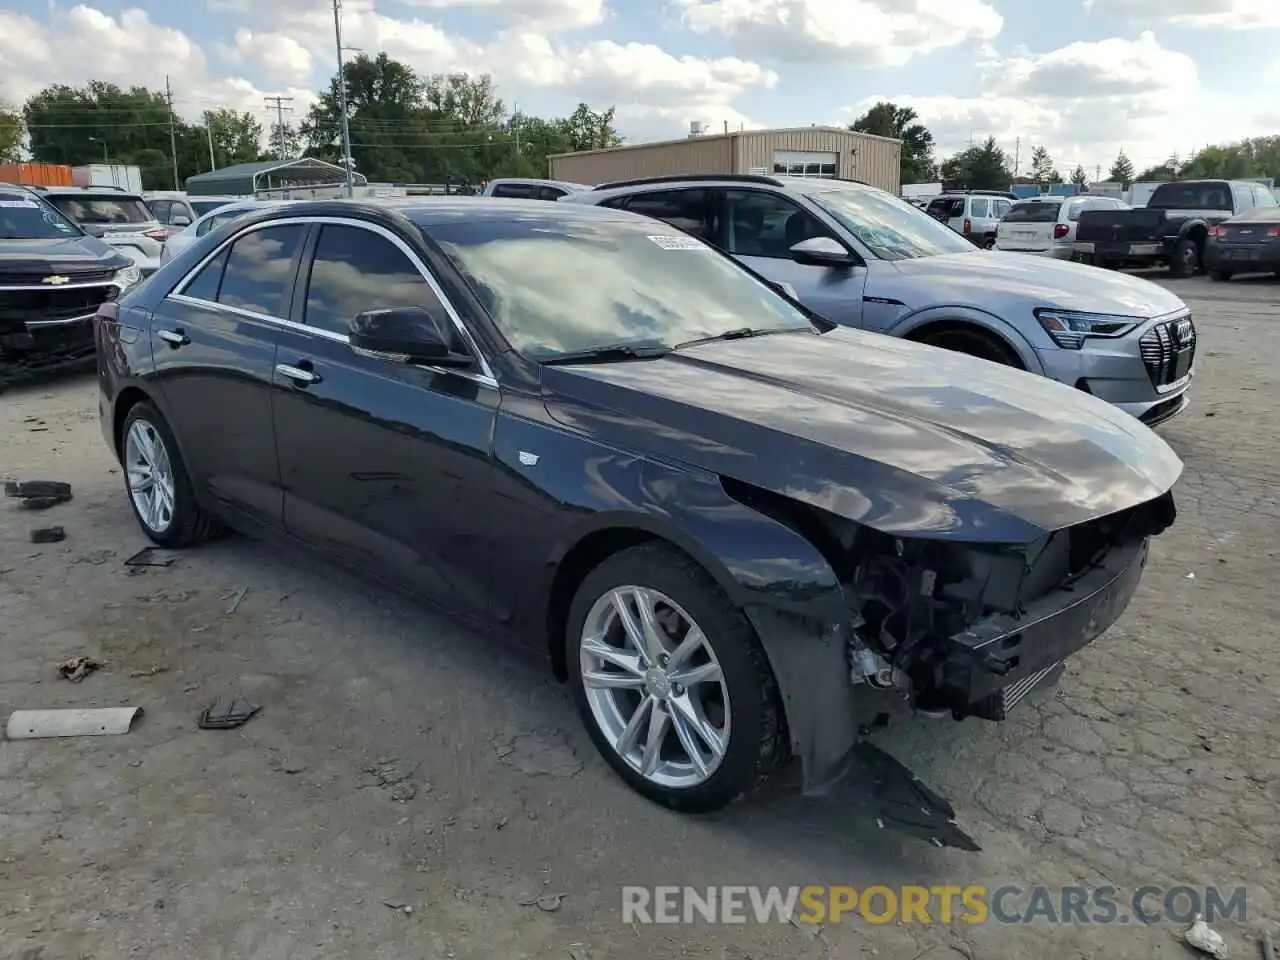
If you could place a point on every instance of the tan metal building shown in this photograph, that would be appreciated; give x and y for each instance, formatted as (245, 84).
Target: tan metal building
(802, 151)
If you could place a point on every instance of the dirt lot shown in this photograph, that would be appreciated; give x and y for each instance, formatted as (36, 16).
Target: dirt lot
(1156, 762)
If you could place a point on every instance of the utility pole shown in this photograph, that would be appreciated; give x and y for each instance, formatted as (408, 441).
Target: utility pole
(515, 124)
(342, 101)
(1097, 173)
(173, 137)
(208, 130)
(279, 104)
(1017, 157)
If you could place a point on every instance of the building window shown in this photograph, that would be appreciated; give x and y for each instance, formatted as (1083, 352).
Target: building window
(799, 163)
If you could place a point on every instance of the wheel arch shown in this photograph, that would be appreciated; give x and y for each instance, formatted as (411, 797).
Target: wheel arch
(922, 325)
(126, 400)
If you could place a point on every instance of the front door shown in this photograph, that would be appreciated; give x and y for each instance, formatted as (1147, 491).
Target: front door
(760, 228)
(382, 462)
(214, 346)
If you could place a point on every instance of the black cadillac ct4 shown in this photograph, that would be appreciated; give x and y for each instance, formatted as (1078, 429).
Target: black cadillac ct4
(53, 277)
(731, 524)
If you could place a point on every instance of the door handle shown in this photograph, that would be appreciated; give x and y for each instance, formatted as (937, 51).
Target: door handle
(175, 338)
(300, 375)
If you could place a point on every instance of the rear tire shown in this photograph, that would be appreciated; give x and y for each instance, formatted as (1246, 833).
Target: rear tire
(1219, 275)
(161, 494)
(974, 343)
(1185, 260)
(735, 700)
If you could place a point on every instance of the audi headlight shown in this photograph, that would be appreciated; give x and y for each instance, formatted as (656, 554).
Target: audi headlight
(127, 277)
(1069, 328)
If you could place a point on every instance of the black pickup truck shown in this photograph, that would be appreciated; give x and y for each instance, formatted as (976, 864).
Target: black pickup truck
(1170, 230)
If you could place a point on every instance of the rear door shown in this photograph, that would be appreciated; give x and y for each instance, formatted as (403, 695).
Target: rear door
(214, 345)
(761, 227)
(383, 463)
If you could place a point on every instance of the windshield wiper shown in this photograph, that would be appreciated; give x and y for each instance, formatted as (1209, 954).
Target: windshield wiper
(610, 353)
(742, 333)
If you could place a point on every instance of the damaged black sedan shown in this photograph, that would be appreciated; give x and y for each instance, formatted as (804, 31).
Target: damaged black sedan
(731, 524)
(53, 277)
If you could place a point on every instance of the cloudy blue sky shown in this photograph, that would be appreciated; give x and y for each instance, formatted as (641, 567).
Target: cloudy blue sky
(1083, 77)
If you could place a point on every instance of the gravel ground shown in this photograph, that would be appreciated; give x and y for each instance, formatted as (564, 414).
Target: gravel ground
(410, 785)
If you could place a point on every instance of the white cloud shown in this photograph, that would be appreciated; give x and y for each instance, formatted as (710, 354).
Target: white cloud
(1233, 14)
(1084, 102)
(547, 13)
(862, 32)
(278, 55)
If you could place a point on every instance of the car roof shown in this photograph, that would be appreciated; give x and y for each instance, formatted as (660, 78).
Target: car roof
(114, 193)
(539, 182)
(429, 211)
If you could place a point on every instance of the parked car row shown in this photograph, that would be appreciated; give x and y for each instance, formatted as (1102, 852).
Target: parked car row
(732, 522)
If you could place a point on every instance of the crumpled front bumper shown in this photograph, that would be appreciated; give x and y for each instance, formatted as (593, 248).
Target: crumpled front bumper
(983, 671)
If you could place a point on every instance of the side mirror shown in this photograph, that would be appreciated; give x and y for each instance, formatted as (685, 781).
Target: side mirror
(406, 335)
(179, 220)
(822, 252)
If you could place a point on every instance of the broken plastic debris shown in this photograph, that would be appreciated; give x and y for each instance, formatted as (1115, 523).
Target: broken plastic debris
(76, 669)
(38, 494)
(1205, 939)
(227, 713)
(548, 902)
(48, 535)
(239, 599)
(38, 724)
(151, 557)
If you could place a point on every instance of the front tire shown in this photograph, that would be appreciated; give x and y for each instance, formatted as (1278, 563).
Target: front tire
(974, 343)
(159, 487)
(671, 681)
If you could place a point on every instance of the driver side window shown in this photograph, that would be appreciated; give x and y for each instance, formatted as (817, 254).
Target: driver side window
(761, 224)
(355, 270)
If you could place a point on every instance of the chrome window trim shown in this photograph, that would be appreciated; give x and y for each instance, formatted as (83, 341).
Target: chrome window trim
(485, 376)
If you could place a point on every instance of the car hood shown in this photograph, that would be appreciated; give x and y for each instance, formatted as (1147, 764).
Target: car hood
(899, 436)
(69, 255)
(985, 277)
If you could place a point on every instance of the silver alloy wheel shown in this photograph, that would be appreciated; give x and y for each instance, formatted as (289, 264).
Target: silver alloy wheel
(150, 475)
(655, 687)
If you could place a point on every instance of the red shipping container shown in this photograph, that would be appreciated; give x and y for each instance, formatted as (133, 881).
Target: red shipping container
(42, 174)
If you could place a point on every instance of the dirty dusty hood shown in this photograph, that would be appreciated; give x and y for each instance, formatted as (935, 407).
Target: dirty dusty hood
(1017, 282)
(902, 437)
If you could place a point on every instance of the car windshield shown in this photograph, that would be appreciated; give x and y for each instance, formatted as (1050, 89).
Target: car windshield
(890, 228)
(1033, 211)
(556, 286)
(25, 218)
(1190, 196)
(100, 210)
(201, 207)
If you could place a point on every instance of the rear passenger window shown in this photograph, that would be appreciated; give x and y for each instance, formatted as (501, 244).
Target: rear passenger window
(515, 191)
(204, 285)
(687, 210)
(549, 193)
(357, 270)
(980, 208)
(260, 270)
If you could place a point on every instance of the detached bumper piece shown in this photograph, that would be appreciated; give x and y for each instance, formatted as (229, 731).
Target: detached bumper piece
(994, 664)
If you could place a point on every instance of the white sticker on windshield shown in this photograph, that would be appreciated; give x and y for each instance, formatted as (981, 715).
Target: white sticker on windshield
(27, 204)
(679, 243)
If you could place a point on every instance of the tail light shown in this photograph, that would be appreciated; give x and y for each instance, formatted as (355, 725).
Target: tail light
(1217, 231)
(1060, 230)
(968, 225)
(1274, 232)
(157, 233)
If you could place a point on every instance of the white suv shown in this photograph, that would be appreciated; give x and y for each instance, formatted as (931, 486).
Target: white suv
(1046, 226)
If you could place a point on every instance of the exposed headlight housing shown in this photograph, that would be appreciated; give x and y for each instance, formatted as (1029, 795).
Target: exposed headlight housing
(127, 277)
(1070, 328)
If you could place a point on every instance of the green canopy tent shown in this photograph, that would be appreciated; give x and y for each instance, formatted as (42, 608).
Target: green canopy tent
(278, 179)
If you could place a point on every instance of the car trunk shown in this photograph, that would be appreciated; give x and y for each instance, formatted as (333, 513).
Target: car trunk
(1121, 226)
(1029, 227)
